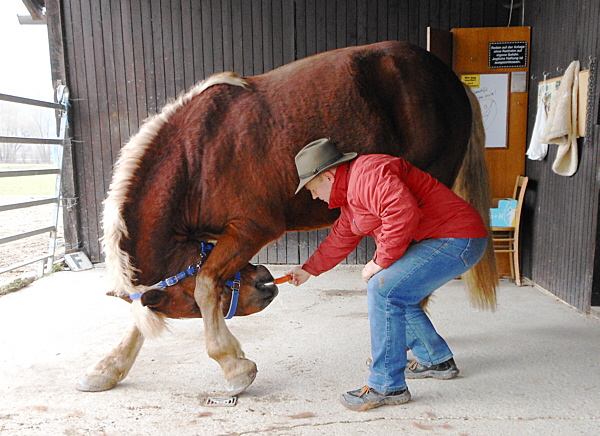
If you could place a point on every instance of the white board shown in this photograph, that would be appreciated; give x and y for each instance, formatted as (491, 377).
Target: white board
(492, 93)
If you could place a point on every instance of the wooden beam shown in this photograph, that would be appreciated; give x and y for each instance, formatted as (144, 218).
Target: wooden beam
(35, 8)
(59, 77)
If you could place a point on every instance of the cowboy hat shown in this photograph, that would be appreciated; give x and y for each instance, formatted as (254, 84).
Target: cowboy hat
(317, 157)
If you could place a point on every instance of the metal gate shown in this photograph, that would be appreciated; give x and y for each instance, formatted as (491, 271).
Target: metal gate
(47, 259)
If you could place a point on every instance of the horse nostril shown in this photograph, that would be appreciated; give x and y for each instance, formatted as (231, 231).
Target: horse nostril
(265, 285)
(269, 290)
(263, 281)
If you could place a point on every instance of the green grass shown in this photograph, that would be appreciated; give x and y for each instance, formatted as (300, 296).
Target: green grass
(26, 185)
(20, 283)
(16, 285)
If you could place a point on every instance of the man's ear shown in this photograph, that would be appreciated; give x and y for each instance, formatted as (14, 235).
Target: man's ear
(330, 174)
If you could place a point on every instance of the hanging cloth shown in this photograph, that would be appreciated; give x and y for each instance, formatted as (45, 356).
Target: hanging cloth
(561, 126)
(537, 150)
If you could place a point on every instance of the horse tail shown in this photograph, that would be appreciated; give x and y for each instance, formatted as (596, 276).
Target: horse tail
(473, 185)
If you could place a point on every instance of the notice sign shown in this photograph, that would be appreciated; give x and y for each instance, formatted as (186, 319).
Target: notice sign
(471, 80)
(507, 54)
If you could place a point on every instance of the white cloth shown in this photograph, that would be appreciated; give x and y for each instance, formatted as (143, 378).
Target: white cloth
(537, 150)
(561, 126)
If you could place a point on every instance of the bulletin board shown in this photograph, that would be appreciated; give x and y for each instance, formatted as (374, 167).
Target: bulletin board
(492, 93)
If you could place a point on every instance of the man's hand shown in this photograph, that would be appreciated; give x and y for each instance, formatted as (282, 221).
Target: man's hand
(299, 276)
(370, 270)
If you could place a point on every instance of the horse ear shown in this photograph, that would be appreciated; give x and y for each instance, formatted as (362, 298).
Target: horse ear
(153, 298)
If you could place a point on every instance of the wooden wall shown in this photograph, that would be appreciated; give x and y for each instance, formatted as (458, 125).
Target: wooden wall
(560, 223)
(125, 59)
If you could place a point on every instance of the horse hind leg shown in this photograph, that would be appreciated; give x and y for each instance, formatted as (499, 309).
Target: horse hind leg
(113, 368)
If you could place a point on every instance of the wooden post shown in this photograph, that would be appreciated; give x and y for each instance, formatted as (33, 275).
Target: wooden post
(57, 66)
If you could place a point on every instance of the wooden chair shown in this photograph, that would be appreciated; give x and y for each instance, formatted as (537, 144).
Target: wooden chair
(506, 239)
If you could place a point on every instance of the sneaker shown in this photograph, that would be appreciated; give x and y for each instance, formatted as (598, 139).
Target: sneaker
(442, 371)
(368, 398)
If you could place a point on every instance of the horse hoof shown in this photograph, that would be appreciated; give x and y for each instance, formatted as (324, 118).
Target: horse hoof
(95, 383)
(241, 381)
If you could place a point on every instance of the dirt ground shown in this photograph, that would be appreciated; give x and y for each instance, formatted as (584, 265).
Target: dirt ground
(533, 367)
(21, 221)
(530, 368)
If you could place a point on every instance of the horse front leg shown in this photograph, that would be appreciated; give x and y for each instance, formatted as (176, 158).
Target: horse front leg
(235, 248)
(221, 345)
(113, 368)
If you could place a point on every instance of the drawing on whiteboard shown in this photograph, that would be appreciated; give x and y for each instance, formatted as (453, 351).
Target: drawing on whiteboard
(489, 111)
(492, 94)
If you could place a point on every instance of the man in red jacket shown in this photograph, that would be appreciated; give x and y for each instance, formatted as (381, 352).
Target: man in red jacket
(425, 235)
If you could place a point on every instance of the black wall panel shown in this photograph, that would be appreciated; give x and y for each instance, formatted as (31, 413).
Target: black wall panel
(560, 218)
(126, 59)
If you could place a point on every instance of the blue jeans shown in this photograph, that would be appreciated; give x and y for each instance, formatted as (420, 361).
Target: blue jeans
(395, 317)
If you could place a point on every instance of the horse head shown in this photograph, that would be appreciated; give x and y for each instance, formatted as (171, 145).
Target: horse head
(177, 301)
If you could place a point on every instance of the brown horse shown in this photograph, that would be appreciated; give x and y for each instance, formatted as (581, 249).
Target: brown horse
(218, 164)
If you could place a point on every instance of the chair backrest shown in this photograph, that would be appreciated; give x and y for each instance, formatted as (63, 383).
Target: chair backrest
(519, 195)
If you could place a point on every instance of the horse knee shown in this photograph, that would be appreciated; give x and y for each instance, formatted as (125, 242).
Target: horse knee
(206, 296)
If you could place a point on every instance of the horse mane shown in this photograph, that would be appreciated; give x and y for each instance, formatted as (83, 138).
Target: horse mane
(118, 262)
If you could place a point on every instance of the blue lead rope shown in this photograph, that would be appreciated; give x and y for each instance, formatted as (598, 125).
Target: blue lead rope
(234, 284)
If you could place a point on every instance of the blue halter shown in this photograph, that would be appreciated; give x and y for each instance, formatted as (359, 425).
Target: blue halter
(234, 284)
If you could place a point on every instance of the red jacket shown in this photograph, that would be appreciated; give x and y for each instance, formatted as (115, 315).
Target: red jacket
(394, 202)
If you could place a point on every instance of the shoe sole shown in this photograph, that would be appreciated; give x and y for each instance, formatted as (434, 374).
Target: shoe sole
(374, 404)
(439, 375)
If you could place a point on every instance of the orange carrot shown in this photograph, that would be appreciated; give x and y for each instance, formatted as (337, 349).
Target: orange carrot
(283, 279)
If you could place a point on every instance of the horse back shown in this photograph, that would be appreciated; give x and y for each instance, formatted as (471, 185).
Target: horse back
(390, 97)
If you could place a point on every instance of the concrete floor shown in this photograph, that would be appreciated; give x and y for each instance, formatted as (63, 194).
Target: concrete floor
(532, 367)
